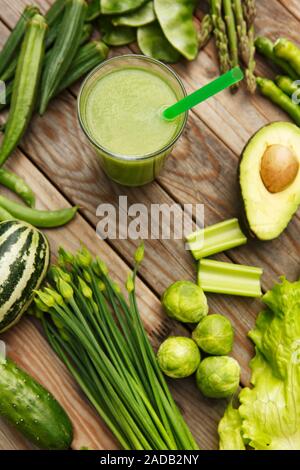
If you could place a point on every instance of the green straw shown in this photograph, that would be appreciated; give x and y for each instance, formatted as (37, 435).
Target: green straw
(224, 81)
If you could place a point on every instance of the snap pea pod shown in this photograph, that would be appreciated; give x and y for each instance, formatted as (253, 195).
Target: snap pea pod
(38, 218)
(93, 10)
(140, 17)
(266, 48)
(152, 42)
(25, 85)
(116, 35)
(14, 40)
(113, 7)
(5, 215)
(269, 89)
(287, 50)
(16, 184)
(287, 85)
(176, 21)
(63, 51)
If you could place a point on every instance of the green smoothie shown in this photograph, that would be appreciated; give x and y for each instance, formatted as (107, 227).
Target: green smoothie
(121, 113)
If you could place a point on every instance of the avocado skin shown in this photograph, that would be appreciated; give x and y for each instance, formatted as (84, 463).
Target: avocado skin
(32, 410)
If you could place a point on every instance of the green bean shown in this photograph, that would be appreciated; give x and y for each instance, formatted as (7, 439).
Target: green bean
(288, 85)
(25, 85)
(287, 50)
(116, 35)
(153, 43)
(269, 89)
(16, 184)
(14, 40)
(5, 215)
(176, 21)
(266, 48)
(63, 51)
(38, 218)
(140, 17)
(113, 7)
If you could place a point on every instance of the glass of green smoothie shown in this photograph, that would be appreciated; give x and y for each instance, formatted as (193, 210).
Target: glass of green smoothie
(120, 110)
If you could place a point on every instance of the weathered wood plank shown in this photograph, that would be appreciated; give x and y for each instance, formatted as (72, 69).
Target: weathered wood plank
(31, 351)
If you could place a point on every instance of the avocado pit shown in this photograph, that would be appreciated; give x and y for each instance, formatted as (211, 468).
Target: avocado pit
(279, 168)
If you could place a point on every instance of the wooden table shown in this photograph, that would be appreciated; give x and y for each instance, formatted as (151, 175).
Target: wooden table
(56, 161)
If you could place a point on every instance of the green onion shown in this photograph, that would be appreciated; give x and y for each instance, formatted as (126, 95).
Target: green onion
(100, 337)
(216, 238)
(228, 278)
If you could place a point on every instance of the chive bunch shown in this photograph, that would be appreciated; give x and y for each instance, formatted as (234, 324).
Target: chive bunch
(100, 337)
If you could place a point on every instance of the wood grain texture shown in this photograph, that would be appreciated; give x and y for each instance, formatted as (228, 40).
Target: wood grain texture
(203, 169)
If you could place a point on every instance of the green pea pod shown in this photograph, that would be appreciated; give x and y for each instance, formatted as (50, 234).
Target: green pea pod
(5, 215)
(153, 43)
(176, 21)
(113, 7)
(142, 16)
(287, 50)
(116, 35)
(25, 85)
(14, 40)
(93, 10)
(88, 57)
(38, 218)
(287, 85)
(16, 184)
(266, 48)
(63, 51)
(269, 89)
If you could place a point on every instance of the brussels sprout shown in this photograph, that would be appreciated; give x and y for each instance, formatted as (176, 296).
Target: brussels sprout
(214, 334)
(185, 301)
(178, 357)
(218, 376)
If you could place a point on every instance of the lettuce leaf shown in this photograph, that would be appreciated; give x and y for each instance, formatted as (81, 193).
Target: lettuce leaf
(230, 430)
(270, 410)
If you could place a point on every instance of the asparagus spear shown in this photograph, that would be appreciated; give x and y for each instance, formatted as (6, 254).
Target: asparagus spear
(250, 77)
(220, 35)
(249, 7)
(206, 30)
(231, 32)
(241, 30)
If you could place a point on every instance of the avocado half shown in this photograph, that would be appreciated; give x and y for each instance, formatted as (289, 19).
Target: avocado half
(271, 190)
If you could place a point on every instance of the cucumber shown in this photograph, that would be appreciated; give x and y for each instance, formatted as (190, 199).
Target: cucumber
(24, 260)
(32, 410)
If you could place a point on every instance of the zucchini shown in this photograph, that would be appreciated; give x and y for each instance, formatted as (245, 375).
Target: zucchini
(14, 40)
(32, 410)
(24, 259)
(63, 51)
(25, 85)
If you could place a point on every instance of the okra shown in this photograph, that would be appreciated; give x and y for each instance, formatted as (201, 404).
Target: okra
(15, 38)
(93, 10)
(63, 51)
(89, 56)
(55, 11)
(25, 85)
(16, 184)
(11, 69)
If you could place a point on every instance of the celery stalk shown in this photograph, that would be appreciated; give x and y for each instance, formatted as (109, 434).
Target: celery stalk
(228, 278)
(216, 238)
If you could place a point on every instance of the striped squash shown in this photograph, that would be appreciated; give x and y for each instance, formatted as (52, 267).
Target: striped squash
(24, 260)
